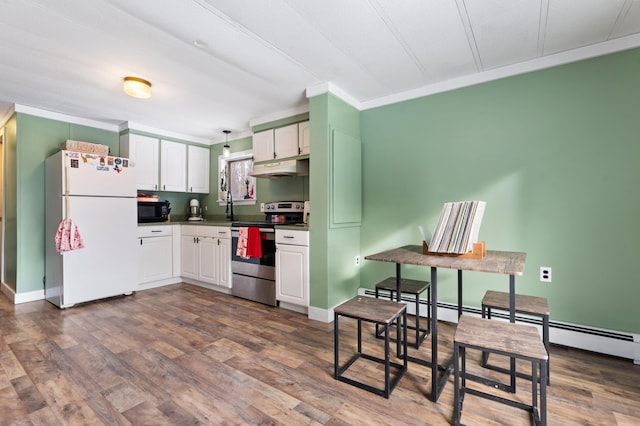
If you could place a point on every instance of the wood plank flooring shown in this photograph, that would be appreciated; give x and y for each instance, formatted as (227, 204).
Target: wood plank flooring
(184, 355)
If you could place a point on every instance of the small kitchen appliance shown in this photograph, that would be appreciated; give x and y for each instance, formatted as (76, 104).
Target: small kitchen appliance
(305, 215)
(153, 211)
(195, 213)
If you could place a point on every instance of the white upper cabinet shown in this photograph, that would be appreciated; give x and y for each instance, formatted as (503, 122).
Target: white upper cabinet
(304, 138)
(198, 170)
(173, 166)
(263, 146)
(142, 151)
(180, 167)
(283, 142)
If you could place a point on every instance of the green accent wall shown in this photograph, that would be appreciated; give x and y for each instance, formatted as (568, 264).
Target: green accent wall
(554, 153)
(333, 275)
(35, 139)
(10, 204)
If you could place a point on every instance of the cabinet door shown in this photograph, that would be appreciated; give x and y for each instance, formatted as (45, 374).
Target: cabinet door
(224, 263)
(173, 166)
(263, 146)
(142, 152)
(189, 254)
(198, 170)
(286, 141)
(156, 259)
(208, 259)
(304, 137)
(292, 274)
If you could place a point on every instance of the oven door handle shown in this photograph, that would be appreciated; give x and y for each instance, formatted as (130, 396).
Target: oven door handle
(235, 231)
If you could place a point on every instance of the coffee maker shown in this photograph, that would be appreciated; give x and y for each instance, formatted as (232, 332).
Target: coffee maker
(195, 213)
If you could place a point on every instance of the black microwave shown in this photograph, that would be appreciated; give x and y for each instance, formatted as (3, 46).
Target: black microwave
(153, 211)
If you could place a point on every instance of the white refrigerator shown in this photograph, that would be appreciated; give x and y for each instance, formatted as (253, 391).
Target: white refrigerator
(100, 194)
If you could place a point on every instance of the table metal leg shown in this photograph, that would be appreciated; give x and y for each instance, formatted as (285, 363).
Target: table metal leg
(434, 334)
(459, 293)
(398, 279)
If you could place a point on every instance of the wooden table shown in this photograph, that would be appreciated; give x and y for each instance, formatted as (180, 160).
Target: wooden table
(496, 262)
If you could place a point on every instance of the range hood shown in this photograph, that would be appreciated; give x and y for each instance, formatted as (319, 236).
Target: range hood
(281, 169)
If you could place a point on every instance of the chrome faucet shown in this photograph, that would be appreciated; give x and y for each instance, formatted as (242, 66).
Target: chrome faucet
(229, 210)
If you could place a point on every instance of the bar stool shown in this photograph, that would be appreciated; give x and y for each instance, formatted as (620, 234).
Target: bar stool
(513, 340)
(530, 305)
(376, 311)
(415, 288)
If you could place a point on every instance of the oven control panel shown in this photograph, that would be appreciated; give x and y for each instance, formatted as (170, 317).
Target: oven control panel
(284, 207)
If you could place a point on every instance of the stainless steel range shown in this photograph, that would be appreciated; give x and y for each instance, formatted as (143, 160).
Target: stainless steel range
(255, 278)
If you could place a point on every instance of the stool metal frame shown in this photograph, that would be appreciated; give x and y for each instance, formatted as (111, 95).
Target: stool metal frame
(492, 300)
(399, 318)
(460, 376)
(414, 287)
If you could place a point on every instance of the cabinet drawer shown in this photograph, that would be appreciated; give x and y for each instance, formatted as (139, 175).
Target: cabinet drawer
(207, 231)
(155, 231)
(224, 232)
(298, 238)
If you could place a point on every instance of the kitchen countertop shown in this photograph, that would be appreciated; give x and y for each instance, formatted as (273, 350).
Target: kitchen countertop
(221, 222)
(188, 222)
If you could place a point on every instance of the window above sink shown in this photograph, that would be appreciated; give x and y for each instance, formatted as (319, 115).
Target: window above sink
(233, 174)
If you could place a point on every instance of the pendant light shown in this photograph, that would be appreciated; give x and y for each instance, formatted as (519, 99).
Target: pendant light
(226, 149)
(137, 87)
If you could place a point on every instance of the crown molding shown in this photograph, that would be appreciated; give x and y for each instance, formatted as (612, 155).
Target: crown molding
(279, 115)
(64, 117)
(562, 58)
(130, 125)
(329, 87)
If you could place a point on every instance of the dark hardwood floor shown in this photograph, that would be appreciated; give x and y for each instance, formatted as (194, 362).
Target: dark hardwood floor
(184, 355)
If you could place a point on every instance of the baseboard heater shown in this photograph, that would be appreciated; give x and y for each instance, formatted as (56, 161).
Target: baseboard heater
(623, 345)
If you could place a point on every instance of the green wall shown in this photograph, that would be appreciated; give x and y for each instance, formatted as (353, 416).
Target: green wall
(36, 139)
(334, 277)
(10, 204)
(554, 154)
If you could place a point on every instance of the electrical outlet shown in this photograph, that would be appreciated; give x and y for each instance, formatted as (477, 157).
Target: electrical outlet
(261, 207)
(545, 274)
(357, 260)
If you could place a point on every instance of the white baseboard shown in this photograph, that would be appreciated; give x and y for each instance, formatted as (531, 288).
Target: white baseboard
(295, 308)
(214, 287)
(17, 298)
(159, 283)
(608, 342)
(319, 314)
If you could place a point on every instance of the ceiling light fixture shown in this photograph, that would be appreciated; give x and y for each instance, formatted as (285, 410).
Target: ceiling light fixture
(137, 87)
(226, 149)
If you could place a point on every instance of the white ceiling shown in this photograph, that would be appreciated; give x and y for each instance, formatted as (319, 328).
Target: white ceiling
(259, 56)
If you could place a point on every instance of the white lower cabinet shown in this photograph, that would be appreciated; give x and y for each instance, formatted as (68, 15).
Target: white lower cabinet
(155, 259)
(292, 267)
(206, 254)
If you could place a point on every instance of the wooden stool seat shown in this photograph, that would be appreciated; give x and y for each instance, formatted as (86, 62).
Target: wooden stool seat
(381, 312)
(415, 288)
(513, 340)
(530, 305)
(525, 304)
(406, 285)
